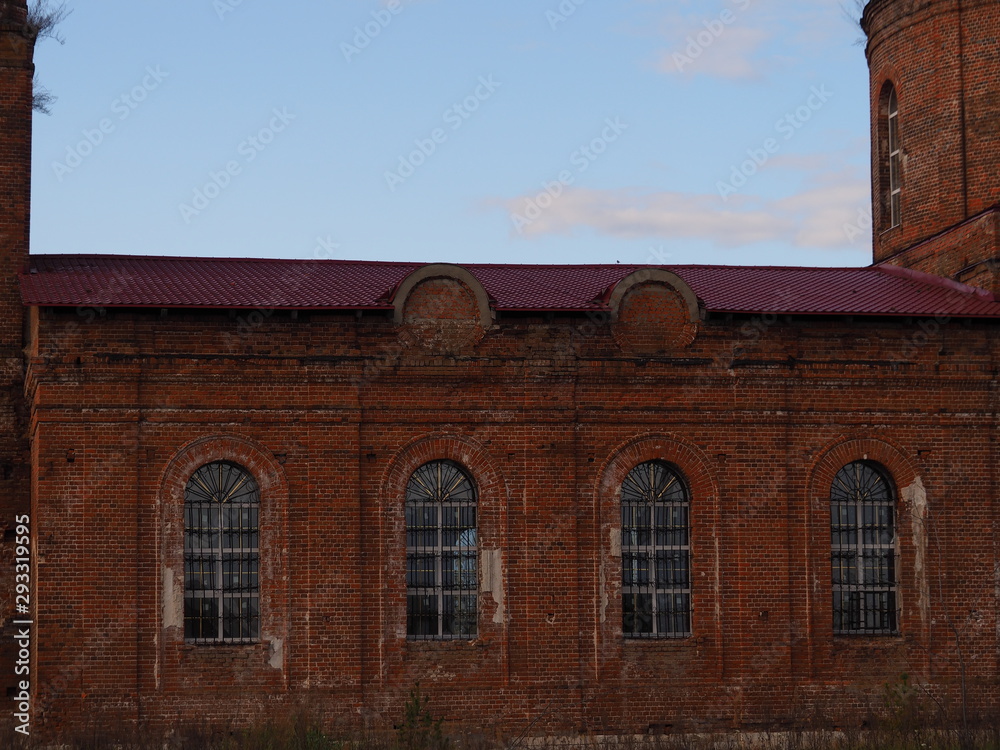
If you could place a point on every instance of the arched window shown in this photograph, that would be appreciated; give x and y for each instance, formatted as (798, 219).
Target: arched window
(442, 563)
(892, 170)
(221, 555)
(863, 534)
(656, 553)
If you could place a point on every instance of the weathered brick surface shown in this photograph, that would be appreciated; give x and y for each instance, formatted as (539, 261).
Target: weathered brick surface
(548, 426)
(653, 319)
(941, 57)
(441, 315)
(969, 253)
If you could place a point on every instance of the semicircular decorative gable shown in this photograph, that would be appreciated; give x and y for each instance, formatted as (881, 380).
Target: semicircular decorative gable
(443, 308)
(653, 312)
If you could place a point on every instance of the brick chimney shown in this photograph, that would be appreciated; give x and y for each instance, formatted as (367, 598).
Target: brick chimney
(16, 72)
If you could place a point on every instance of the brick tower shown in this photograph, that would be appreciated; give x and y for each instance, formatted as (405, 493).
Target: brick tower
(935, 109)
(16, 71)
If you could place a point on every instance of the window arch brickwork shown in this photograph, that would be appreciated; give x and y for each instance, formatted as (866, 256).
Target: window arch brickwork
(701, 653)
(264, 649)
(912, 590)
(408, 659)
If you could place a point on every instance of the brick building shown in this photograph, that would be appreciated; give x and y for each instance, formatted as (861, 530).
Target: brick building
(606, 498)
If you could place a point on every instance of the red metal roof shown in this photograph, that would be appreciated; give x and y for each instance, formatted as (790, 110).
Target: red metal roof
(136, 281)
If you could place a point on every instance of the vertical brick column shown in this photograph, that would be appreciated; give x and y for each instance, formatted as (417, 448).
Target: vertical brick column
(16, 70)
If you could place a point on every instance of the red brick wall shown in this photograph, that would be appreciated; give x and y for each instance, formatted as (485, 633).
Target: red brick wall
(441, 315)
(653, 318)
(548, 416)
(969, 253)
(941, 57)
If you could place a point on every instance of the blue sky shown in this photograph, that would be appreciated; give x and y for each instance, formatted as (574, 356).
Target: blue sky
(523, 131)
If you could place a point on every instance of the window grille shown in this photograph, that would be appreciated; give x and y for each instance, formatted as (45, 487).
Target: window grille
(863, 538)
(895, 162)
(442, 564)
(656, 553)
(221, 555)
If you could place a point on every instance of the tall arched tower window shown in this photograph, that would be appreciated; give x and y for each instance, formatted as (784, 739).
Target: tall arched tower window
(656, 553)
(221, 555)
(892, 170)
(863, 542)
(442, 562)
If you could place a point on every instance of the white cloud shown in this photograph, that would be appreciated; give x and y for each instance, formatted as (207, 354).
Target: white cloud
(802, 162)
(733, 54)
(814, 218)
(730, 39)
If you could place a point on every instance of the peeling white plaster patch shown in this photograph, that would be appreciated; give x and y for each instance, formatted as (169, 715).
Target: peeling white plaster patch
(439, 674)
(916, 497)
(173, 601)
(718, 574)
(615, 543)
(492, 582)
(277, 660)
(604, 598)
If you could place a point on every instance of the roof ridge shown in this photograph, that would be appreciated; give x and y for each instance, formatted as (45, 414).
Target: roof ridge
(227, 283)
(350, 261)
(200, 258)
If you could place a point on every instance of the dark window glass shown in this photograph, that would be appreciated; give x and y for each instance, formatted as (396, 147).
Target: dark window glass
(442, 554)
(221, 555)
(863, 551)
(895, 162)
(656, 553)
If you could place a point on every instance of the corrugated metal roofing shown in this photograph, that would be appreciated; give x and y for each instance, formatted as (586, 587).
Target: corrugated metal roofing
(137, 281)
